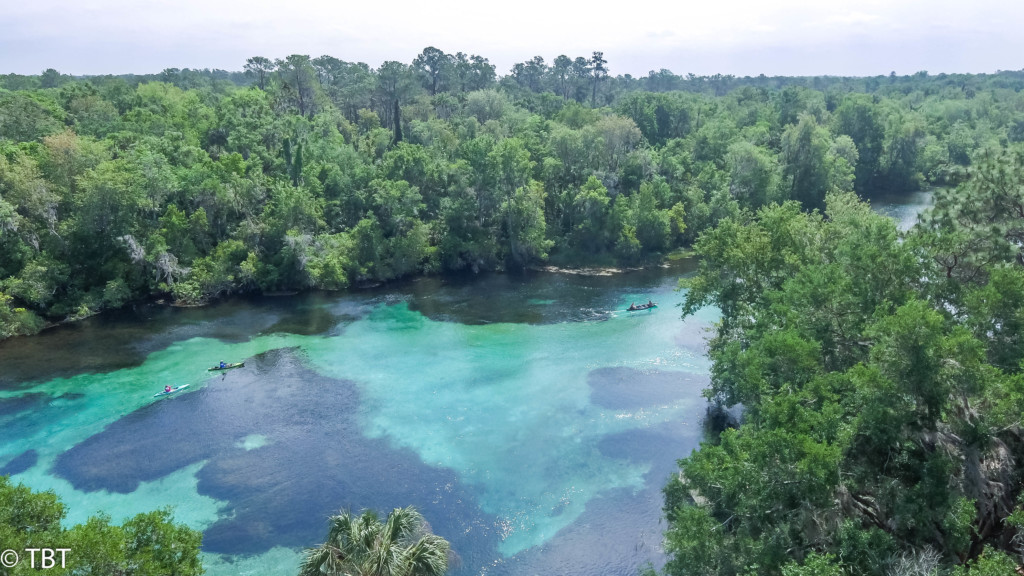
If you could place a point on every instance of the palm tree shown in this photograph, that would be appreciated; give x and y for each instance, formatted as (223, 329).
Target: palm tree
(401, 545)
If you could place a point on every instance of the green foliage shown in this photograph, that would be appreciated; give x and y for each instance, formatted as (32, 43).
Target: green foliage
(859, 118)
(365, 545)
(881, 405)
(149, 544)
(991, 563)
(754, 174)
(815, 565)
(331, 261)
(26, 117)
(524, 229)
(319, 173)
(981, 222)
(628, 247)
(808, 165)
(116, 293)
(17, 321)
(695, 542)
(588, 217)
(643, 227)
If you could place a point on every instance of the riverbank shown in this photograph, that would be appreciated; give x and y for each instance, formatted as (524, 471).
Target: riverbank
(904, 208)
(583, 271)
(663, 262)
(163, 299)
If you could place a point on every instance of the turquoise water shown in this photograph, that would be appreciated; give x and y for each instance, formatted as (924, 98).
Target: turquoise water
(494, 401)
(530, 418)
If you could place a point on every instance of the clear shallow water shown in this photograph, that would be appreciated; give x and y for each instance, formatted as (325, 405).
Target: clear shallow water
(530, 418)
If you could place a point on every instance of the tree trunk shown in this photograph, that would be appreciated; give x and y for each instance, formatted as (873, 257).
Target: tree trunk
(398, 123)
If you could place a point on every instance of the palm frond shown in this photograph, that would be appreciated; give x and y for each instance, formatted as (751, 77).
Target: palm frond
(428, 556)
(314, 562)
(401, 545)
(403, 523)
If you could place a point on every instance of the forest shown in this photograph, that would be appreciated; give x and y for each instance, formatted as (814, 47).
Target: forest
(316, 173)
(879, 371)
(880, 375)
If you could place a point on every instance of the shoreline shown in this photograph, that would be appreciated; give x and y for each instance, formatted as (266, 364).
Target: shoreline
(589, 271)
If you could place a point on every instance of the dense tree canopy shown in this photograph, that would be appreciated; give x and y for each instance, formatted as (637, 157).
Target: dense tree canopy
(881, 380)
(149, 544)
(313, 172)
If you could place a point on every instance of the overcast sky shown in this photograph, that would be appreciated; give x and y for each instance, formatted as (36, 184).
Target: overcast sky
(741, 37)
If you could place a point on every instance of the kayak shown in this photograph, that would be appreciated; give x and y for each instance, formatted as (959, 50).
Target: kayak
(641, 307)
(173, 390)
(227, 367)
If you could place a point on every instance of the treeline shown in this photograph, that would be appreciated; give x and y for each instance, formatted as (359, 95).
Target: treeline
(572, 76)
(320, 173)
(882, 382)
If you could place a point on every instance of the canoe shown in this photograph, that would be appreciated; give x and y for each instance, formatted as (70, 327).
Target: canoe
(173, 390)
(228, 367)
(641, 307)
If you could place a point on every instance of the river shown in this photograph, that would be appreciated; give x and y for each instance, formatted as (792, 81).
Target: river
(530, 418)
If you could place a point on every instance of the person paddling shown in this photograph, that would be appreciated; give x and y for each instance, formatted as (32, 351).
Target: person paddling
(222, 364)
(167, 389)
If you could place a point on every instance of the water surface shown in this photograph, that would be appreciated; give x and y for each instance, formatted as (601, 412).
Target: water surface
(529, 417)
(904, 207)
